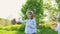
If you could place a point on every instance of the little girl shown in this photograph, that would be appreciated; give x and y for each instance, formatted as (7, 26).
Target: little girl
(57, 28)
(30, 23)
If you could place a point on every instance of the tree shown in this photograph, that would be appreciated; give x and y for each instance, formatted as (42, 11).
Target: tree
(58, 3)
(36, 6)
(53, 11)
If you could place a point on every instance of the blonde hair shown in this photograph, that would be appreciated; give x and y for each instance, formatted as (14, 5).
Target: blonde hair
(29, 11)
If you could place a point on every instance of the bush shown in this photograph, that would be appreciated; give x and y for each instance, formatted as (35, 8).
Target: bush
(13, 27)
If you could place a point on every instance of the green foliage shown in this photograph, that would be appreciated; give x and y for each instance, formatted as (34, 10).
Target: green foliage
(52, 9)
(47, 30)
(58, 3)
(36, 6)
(13, 28)
(7, 32)
(19, 29)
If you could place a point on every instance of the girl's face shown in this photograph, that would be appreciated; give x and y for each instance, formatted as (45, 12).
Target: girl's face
(30, 16)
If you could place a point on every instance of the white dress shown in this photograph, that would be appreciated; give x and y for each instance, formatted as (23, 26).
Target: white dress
(31, 23)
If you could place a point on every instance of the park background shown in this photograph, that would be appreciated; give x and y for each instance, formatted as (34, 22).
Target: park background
(45, 12)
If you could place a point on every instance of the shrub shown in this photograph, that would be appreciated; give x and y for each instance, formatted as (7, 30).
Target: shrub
(13, 27)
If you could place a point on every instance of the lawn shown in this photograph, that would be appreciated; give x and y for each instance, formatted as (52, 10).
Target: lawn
(18, 29)
(43, 31)
(10, 32)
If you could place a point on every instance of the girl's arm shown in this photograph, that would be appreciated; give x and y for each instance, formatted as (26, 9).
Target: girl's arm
(21, 21)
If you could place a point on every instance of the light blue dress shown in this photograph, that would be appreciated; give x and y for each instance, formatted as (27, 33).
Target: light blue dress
(32, 23)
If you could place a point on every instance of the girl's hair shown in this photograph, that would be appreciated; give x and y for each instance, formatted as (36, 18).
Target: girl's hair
(29, 11)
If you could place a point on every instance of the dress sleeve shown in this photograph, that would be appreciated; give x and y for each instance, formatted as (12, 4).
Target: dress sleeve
(22, 21)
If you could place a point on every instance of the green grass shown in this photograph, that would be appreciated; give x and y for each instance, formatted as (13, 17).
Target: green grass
(47, 31)
(42, 31)
(10, 32)
(18, 29)
(7, 32)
